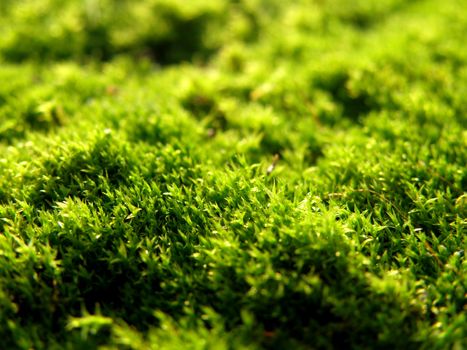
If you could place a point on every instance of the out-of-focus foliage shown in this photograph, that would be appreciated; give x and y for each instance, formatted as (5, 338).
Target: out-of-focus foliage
(168, 31)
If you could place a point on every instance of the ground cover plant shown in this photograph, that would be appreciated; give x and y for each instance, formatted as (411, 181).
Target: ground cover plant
(233, 174)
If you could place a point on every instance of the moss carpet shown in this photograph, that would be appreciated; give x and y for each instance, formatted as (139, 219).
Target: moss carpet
(233, 174)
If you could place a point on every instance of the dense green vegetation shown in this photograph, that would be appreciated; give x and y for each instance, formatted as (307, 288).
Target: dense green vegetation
(233, 174)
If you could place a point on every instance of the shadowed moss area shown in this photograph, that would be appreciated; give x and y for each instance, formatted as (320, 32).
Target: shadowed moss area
(233, 174)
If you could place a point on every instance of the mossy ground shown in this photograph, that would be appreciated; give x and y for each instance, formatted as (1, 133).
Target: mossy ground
(233, 174)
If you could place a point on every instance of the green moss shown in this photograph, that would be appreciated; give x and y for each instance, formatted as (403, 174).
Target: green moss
(237, 174)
